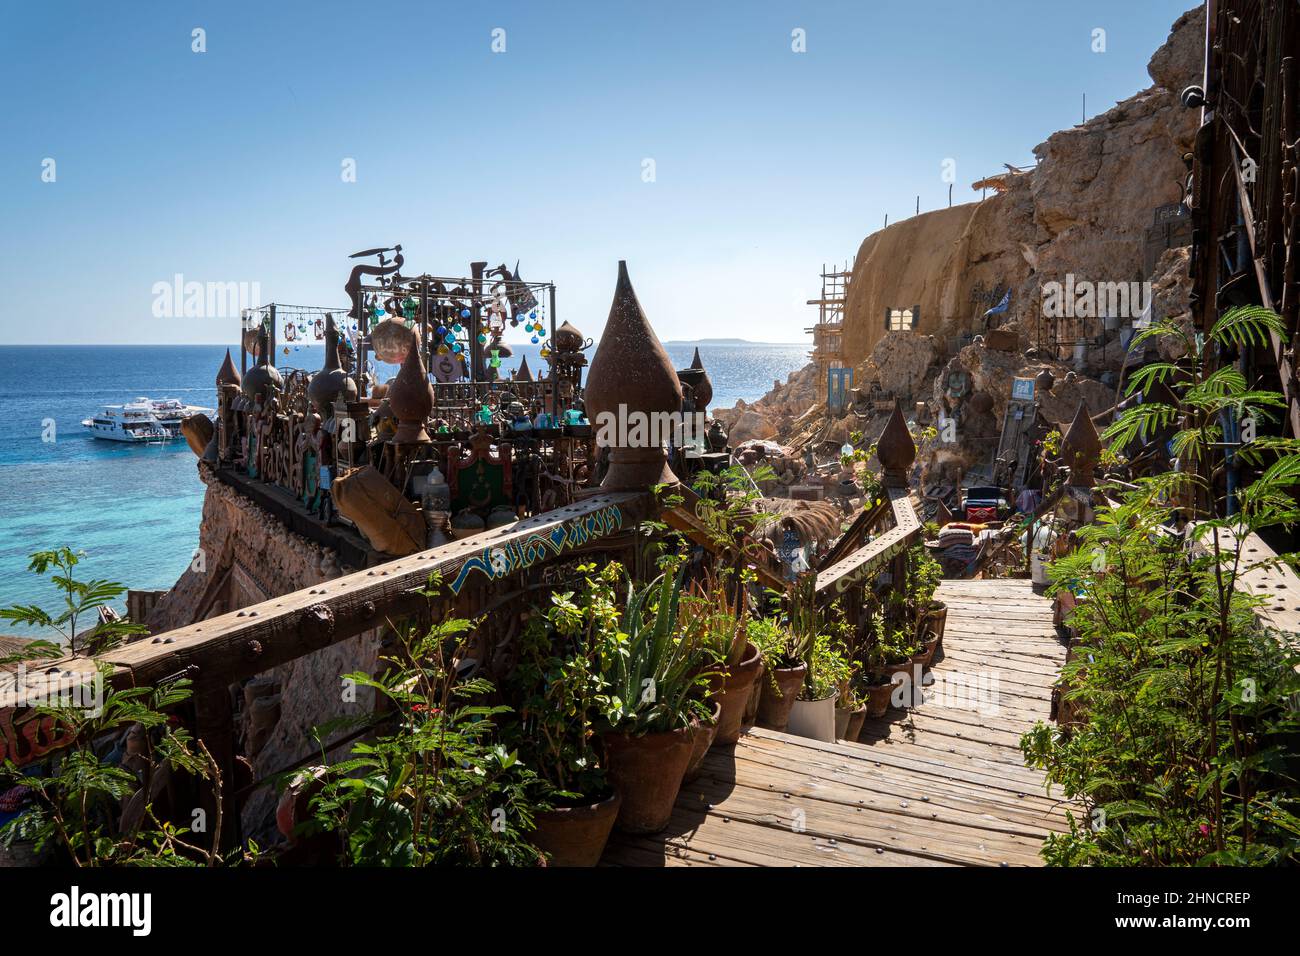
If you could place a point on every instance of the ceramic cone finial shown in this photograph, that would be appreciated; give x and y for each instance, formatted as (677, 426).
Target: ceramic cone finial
(1082, 448)
(630, 383)
(896, 450)
(228, 374)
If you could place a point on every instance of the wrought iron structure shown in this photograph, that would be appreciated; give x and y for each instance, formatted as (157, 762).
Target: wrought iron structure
(1245, 187)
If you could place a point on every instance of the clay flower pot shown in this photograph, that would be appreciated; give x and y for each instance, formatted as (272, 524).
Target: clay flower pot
(647, 772)
(702, 733)
(576, 836)
(878, 698)
(856, 719)
(755, 695)
(780, 691)
(936, 618)
(841, 722)
(734, 697)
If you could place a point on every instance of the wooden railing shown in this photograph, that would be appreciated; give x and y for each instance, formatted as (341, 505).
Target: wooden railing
(870, 559)
(240, 644)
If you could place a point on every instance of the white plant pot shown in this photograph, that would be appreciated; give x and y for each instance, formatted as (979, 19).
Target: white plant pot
(814, 718)
(1038, 568)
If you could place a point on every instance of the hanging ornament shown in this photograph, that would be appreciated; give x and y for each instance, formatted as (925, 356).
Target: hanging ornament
(286, 350)
(532, 314)
(464, 313)
(443, 350)
(482, 339)
(534, 340)
(456, 347)
(457, 328)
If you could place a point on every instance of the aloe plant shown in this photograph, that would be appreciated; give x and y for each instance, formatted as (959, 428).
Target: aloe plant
(651, 670)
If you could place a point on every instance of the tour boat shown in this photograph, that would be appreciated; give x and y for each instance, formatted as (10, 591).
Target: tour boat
(170, 412)
(137, 421)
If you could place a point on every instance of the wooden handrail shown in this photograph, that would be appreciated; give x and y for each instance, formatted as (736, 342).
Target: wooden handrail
(869, 559)
(240, 644)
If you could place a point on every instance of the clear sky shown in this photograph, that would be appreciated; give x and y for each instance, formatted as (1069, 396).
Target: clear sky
(227, 165)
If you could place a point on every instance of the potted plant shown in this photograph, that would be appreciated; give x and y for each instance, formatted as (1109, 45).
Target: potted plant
(854, 697)
(785, 657)
(923, 576)
(888, 653)
(714, 617)
(653, 679)
(556, 687)
(813, 713)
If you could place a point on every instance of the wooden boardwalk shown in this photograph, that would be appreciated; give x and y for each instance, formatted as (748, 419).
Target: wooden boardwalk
(932, 786)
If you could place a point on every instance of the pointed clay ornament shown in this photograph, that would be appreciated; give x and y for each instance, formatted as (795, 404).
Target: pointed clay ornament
(631, 385)
(1081, 447)
(896, 450)
(411, 398)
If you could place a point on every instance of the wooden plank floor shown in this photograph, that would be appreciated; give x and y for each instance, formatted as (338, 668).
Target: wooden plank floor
(938, 785)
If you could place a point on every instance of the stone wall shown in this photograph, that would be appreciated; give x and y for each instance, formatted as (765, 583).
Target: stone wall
(247, 556)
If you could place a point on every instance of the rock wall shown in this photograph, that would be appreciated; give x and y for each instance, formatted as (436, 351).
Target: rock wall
(1084, 209)
(247, 556)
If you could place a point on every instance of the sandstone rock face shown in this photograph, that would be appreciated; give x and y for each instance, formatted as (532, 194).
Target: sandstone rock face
(1170, 287)
(899, 363)
(751, 424)
(248, 556)
(1084, 209)
(773, 415)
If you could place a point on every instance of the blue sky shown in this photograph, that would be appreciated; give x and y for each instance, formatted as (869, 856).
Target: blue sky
(225, 166)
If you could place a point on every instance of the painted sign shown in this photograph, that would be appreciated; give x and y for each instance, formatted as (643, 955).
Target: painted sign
(502, 560)
(25, 736)
(1022, 389)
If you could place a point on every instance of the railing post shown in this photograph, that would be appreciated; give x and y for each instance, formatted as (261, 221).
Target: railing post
(215, 729)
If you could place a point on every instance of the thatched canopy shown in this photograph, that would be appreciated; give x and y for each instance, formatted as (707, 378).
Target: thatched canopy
(11, 645)
(813, 520)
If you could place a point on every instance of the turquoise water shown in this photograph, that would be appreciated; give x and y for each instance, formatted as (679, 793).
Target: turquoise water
(135, 509)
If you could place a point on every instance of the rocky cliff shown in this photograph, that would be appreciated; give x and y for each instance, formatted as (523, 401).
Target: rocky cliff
(1085, 210)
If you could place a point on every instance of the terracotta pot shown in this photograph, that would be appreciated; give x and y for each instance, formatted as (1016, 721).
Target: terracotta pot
(878, 699)
(647, 772)
(755, 696)
(737, 687)
(780, 690)
(701, 734)
(576, 836)
(856, 719)
(931, 647)
(936, 614)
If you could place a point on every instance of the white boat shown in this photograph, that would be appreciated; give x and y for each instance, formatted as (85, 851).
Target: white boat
(132, 422)
(170, 412)
(144, 420)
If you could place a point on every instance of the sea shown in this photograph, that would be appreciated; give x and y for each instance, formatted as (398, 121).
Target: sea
(134, 509)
